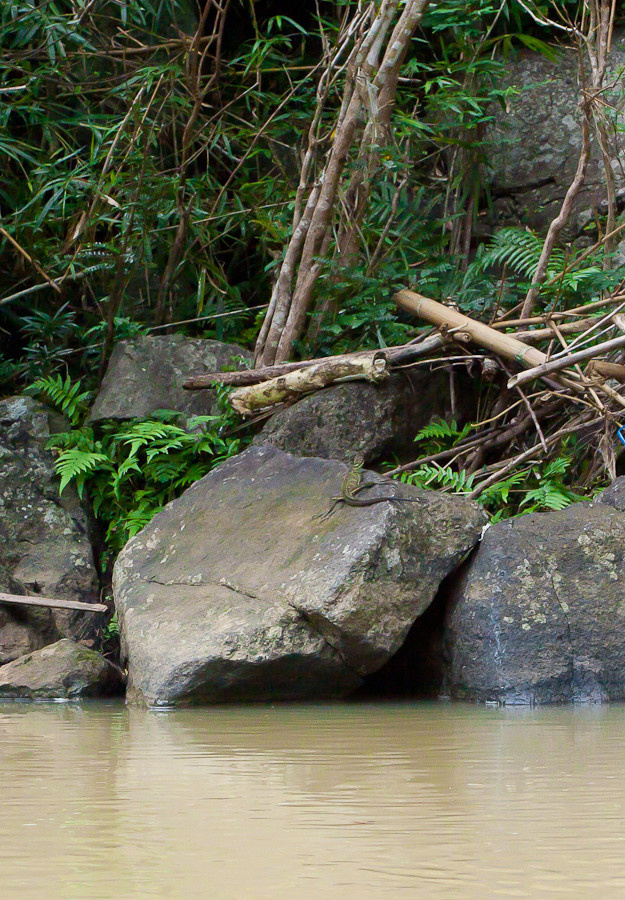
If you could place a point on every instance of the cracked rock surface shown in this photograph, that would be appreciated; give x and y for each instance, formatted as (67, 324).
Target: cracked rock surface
(236, 592)
(538, 615)
(44, 543)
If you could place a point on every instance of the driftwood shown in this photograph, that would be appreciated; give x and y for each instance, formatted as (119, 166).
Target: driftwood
(248, 400)
(52, 604)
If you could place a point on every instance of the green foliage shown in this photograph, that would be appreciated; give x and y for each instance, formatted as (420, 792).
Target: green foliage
(438, 477)
(132, 469)
(439, 434)
(62, 393)
(151, 206)
(100, 168)
(111, 629)
(535, 488)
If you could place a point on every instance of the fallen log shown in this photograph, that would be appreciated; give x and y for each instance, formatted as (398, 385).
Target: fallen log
(395, 355)
(49, 602)
(248, 400)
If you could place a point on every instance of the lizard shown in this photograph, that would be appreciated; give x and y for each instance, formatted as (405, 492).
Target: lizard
(352, 484)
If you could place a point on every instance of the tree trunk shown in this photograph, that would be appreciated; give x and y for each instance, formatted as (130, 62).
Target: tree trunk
(372, 72)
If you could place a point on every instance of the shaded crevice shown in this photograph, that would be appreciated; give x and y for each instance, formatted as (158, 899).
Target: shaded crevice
(513, 190)
(417, 670)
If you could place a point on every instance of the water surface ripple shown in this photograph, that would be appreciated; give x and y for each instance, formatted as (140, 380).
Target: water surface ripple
(311, 802)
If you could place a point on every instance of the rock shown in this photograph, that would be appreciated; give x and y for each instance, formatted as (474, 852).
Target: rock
(22, 628)
(614, 495)
(147, 374)
(44, 540)
(61, 671)
(538, 614)
(359, 417)
(534, 144)
(236, 592)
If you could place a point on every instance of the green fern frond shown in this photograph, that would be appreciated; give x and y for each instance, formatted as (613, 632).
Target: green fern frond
(520, 249)
(440, 430)
(74, 464)
(62, 393)
(436, 477)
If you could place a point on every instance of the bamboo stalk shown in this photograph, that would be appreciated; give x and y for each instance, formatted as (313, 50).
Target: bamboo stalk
(565, 314)
(557, 364)
(53, 604)
(504, 344)
(539, 334)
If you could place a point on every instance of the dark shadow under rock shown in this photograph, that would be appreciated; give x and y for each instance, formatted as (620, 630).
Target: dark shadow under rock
(375, 420)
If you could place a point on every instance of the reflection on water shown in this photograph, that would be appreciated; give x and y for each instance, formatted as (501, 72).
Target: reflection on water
(354, 802)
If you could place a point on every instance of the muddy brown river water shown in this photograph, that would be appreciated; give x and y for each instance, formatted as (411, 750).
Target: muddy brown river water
(311, 802)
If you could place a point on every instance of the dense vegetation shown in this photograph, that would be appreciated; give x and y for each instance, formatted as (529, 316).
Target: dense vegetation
(151, 154)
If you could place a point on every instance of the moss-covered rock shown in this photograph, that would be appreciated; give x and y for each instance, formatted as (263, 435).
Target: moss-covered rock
(62, 671)
(539, 614)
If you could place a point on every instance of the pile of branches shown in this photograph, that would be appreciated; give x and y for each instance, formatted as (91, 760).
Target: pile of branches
(553, 375)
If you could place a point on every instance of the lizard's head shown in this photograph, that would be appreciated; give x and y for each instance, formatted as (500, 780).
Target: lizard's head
(358, 461)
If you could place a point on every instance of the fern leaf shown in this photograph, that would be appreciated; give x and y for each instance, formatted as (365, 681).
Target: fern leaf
(74, 464)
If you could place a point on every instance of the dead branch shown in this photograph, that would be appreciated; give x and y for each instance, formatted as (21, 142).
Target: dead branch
(21, 600)
(395, 355)
(248, 400)
(557, 365)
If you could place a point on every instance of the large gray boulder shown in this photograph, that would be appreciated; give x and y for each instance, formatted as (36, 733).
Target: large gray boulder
(374, 420)
(235, 591)
(62, 671)
(147, 374)
(539, 614)
(534, 144)
(44, 541)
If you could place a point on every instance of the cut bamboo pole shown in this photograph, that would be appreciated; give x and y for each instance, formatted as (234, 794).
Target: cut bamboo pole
(504, 344)
(53, 604)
